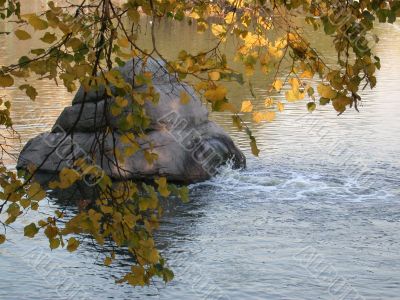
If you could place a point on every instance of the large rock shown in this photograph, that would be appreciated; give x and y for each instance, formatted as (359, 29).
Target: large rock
(189, 147)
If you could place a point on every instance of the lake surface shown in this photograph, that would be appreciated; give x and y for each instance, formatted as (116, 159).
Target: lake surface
(316, 216)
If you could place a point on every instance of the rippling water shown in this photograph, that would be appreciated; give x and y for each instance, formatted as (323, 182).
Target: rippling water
(316, 216)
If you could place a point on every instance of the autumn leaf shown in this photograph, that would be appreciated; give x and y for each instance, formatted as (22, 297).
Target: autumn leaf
(107, 261)
(30, 91)
(218, 30)
(253, 145)
(6, 81)
(277, 85)
(247, 106)
(123, 42)
(37, 23)
(31, 230)
(214, 75)
(268, 102)
(216, 94)
(22, 35)
(294, 95)
(163, 187)
(340, 103)
(230, 18)
(257, 117)
(326, 91)
(49, 38)
(264, 116)
(73, 244)
(54, 243)
(185, 98)
(307, 74)
(280, 106)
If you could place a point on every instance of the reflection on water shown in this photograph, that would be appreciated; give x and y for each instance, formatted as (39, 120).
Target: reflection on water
(322, 182)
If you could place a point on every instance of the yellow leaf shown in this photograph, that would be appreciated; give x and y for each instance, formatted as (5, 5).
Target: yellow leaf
(230, 18)
(49, 38)
(115, 110)
(130, 150)
(34, 205)
(264, 116)
(72, 245)
(25, 202)
(218, 30)
(51, 231)
(275, 51)
(340, 103)
(185, 98)
(54, 243)
(123, 42)
(2, 238)
(228, 107)
(153, 256)
(128, 138)
(326, 91)
(247, 106)
(294, 95)
(6, 81)
(22, 35)
(249, 70)
(269, 116)
(257, 117)
(121, 101)
(31, 230)
(254, 148)
(295, 83)
(307, 74)
(67, 178)
(106, 209)
(37, 23)
(35, 192)
(215, 75)
(269, 102)
(280, 106)
(277, 85)
(108, 261)
(194, 15)
(216, 94)
(162, 187)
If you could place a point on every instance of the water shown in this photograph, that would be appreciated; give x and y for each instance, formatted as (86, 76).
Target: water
(316, 216)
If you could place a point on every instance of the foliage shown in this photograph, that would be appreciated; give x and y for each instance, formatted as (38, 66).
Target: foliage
(83, 42)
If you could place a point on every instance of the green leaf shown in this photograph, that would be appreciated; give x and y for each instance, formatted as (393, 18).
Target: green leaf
(324, 101)
(329, 28)
(311, 106)
(31, 230)
(168, 275)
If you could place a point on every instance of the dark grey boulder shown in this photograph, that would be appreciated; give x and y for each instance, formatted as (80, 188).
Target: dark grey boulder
(189, 147)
